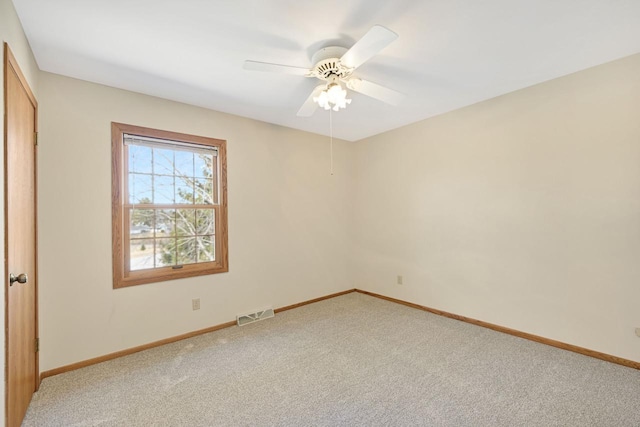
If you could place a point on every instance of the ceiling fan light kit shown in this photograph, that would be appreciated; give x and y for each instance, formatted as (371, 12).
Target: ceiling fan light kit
(333, 97)
(335, 66)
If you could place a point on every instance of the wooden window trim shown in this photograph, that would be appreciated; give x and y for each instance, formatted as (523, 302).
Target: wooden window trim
(120, 235)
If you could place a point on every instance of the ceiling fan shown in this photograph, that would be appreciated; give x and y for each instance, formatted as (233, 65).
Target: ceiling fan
(335, 66)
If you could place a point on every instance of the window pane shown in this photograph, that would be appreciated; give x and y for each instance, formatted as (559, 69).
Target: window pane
(205, 221)
(141, 254)
(204, 191)
(186, 247)
(165, 252)
(206, 249)
(142, 223)
(162, 161)
(139, 188)
(203, 165)
(163, 189)
(139, 159)
(186, 222)
(184, 190)
(165, 222)
(184, 164)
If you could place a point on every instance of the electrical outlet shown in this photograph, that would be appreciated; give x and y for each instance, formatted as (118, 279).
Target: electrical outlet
(399, 280)
(638, 332)
(195, 304)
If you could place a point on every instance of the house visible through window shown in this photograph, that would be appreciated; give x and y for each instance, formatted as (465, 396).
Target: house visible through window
(169, 207)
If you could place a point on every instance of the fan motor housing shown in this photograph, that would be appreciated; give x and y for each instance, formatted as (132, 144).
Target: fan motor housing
(327, 63)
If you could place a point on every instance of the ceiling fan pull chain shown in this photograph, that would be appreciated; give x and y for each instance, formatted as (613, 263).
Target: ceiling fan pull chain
(331, 140)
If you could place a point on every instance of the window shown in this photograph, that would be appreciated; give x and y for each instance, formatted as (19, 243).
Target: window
(169, 205)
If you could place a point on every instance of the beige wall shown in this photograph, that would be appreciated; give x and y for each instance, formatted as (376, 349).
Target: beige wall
(523, 210)
(288, 223)
(11, 33)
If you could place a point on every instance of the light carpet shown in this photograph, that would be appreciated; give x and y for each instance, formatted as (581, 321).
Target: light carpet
(353, 360)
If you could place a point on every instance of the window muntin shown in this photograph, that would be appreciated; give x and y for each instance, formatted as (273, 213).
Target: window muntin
(170, 212)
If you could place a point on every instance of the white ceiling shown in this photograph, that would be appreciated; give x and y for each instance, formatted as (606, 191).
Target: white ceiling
(450, 53)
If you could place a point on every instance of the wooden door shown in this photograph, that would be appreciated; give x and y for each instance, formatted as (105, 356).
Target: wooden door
(20, 242)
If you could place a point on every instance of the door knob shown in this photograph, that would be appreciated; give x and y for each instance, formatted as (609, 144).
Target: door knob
(20, 278)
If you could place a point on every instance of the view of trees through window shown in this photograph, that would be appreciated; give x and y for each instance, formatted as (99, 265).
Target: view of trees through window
(171, 206)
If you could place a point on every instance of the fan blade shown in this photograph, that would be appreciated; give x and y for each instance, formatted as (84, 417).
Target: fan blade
(275, 68)
(376, 91)
(309, 106)
(376, 39)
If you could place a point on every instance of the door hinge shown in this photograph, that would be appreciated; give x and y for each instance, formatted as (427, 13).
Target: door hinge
(35, 137)
(37, 345)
